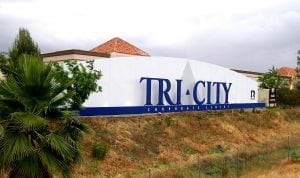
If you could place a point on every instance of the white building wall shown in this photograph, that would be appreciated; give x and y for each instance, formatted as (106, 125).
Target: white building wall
(121, 80)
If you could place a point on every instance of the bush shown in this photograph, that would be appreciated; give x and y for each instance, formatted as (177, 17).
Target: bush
(99, 151)
(288, 97)
(242, 110)
(187, 149)
(271, 113)
(168, 120)
(212, 169)
(283, 106)
(218, 149)
(295, 156)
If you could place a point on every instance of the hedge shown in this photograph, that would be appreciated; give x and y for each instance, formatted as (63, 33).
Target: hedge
(288, 97)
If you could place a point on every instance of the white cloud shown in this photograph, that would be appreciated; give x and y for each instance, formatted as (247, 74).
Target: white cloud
(221, 32)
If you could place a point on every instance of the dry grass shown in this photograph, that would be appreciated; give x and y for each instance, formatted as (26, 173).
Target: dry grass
(283, 169)
(143, 142)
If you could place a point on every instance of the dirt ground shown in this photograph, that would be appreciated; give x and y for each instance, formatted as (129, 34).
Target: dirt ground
(161, 142)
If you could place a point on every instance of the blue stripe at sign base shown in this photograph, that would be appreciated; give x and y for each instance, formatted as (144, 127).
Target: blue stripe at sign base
(124, 110)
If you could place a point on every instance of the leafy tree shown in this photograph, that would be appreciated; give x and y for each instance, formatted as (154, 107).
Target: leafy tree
(85, 80)
(23, 45)
(271, 79)
(32, 143)
(84, 77)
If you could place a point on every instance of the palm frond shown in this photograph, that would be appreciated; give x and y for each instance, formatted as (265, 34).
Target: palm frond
(72, 127)
(53, 162)
(15, 146)
(26, 167)
(59, 99)
(60, 145)
(34, 86)
(10, 88)
(29, 147)
(29, 121)
(1, 131)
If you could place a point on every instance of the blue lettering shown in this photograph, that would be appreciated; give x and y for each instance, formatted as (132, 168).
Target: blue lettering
(195, 96)
(164, 88)
(217, 91)
(148, 89)
(208, 92)
(226, 89)
(164, 93)
(178, 102)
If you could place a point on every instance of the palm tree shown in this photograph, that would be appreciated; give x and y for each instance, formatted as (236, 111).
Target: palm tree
(34, 143)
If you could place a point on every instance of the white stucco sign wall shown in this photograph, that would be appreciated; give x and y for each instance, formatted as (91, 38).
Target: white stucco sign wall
(135, 85)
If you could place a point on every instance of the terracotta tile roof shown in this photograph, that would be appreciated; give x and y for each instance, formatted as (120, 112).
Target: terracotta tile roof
(287, 71)
(120, 46)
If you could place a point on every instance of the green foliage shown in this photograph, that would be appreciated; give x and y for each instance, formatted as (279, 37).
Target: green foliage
(32, 144)
(1, 131)
(33, 88)
(298, 85)
(23, 45)
(288, 97)
(285, 106)
(188, 149)
(213, 169)
(217, 150)
(295, 156)
(84, 80)
(37, 139)
(271, 113)
(72, 127)
(168, 120)
(271, 79)
(202, 115)
(255, 110)
(99, 151)
(3, 60)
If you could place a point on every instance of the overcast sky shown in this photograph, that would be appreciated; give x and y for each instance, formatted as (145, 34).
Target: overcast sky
(242, 34)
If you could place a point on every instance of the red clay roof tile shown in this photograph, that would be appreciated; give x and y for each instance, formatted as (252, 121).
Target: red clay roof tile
(120, 46)
(287, 71)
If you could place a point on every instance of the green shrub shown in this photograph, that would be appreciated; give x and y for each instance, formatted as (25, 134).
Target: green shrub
(99, 151)
(288, 97)
(255, 110)
(283, 106)
(220, 113)
(242, 110)
(271, 113)
(168, 120)
(295, 156)
(188, 149)
(201, 115)
(218, 149)
(212, 169)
